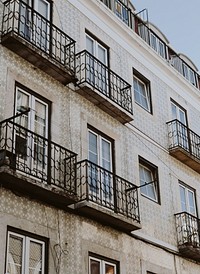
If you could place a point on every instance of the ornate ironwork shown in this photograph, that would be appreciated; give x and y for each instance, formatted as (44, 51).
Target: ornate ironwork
(27, 23)
(92, 71)
(104, 188)
(36, 156)
(181, 136)
(187, 227)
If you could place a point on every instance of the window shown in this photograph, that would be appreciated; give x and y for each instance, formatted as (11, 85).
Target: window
(35, 28)
(97, 62)
(25, 254)
(102, 266)
(121, 10)
(187, 197)
(32, 132)
(148, 174)
(189, 74)
(101, 165)
(179, 127)
(142, 91)
(157, 45)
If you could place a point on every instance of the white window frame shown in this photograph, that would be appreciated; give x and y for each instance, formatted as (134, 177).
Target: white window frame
(187, 204)
(152, 186)
(157, 45)
(100, 138)
(102, 265)
(146, 92)
(25, 251)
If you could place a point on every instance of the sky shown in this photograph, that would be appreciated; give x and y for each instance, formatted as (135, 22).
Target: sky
(179, 21)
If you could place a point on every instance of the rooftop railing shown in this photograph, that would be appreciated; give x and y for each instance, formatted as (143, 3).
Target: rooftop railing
(102, 187)
(36, 157)
(140, 27)
(93, 72)
(187, 227)
(22, 20)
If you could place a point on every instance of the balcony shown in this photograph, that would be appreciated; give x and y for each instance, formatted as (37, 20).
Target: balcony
(37, 40)
(35, 166)
(184, 144)
(100, 85)
(188, 235)
(106, 197)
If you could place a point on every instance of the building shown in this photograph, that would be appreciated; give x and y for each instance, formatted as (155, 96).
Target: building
(99, 142)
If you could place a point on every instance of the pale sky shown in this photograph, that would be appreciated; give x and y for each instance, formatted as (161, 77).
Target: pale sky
(179, 20)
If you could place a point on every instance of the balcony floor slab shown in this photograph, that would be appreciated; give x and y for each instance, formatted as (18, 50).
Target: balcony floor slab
(106, 216)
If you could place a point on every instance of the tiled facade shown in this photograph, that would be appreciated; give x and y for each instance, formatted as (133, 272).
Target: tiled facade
(74, 235)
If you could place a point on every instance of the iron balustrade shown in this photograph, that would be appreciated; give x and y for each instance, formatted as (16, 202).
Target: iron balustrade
(140, 27)
(36, 156)
(187, 227)
(92, 71)
(181, 136)
(27, 23)
(102, 187)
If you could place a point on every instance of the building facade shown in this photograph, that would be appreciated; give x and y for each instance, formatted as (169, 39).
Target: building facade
(99, 142)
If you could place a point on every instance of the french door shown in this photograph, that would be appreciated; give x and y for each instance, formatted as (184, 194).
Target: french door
(30, 137)
(100, 176)
(190, 225)
(34, 25)
(180, 134)
(97, 73)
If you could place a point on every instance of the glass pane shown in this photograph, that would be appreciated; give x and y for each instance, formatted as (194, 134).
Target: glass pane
(183, 199)
(102, 54)
(94, 267)
(93, 156)
(182, 116)
(191, 202)
(174, 114)
(35, 258)
(22, 105)
(109, 269)
(40, 118)
(14, 265)
(89, 45)
(43, 8)
(106, 157)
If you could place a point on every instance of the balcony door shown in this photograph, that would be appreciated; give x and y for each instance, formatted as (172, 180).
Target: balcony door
(31, 136)
(97, 73)
(190, 224)
(34, 22)
(180, 133)
(100, 168)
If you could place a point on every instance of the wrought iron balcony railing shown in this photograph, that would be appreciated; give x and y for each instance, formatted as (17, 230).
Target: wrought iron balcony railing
(36, 157)
(22, 20)
(180, 136)
(93, 72)
(140, 27)
(102, 187)
(187, 227)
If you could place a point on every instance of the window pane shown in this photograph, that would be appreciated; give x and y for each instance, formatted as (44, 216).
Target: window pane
(109, 269)
(43, 8)
(94, 267)
(106, 157)
(90, 45)
(93, 157)
(102, 54)
(146, 176)
(183, 199)
(140, 94)
(15, 255)
(40, 118)
(35, 258)
(191, 202)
